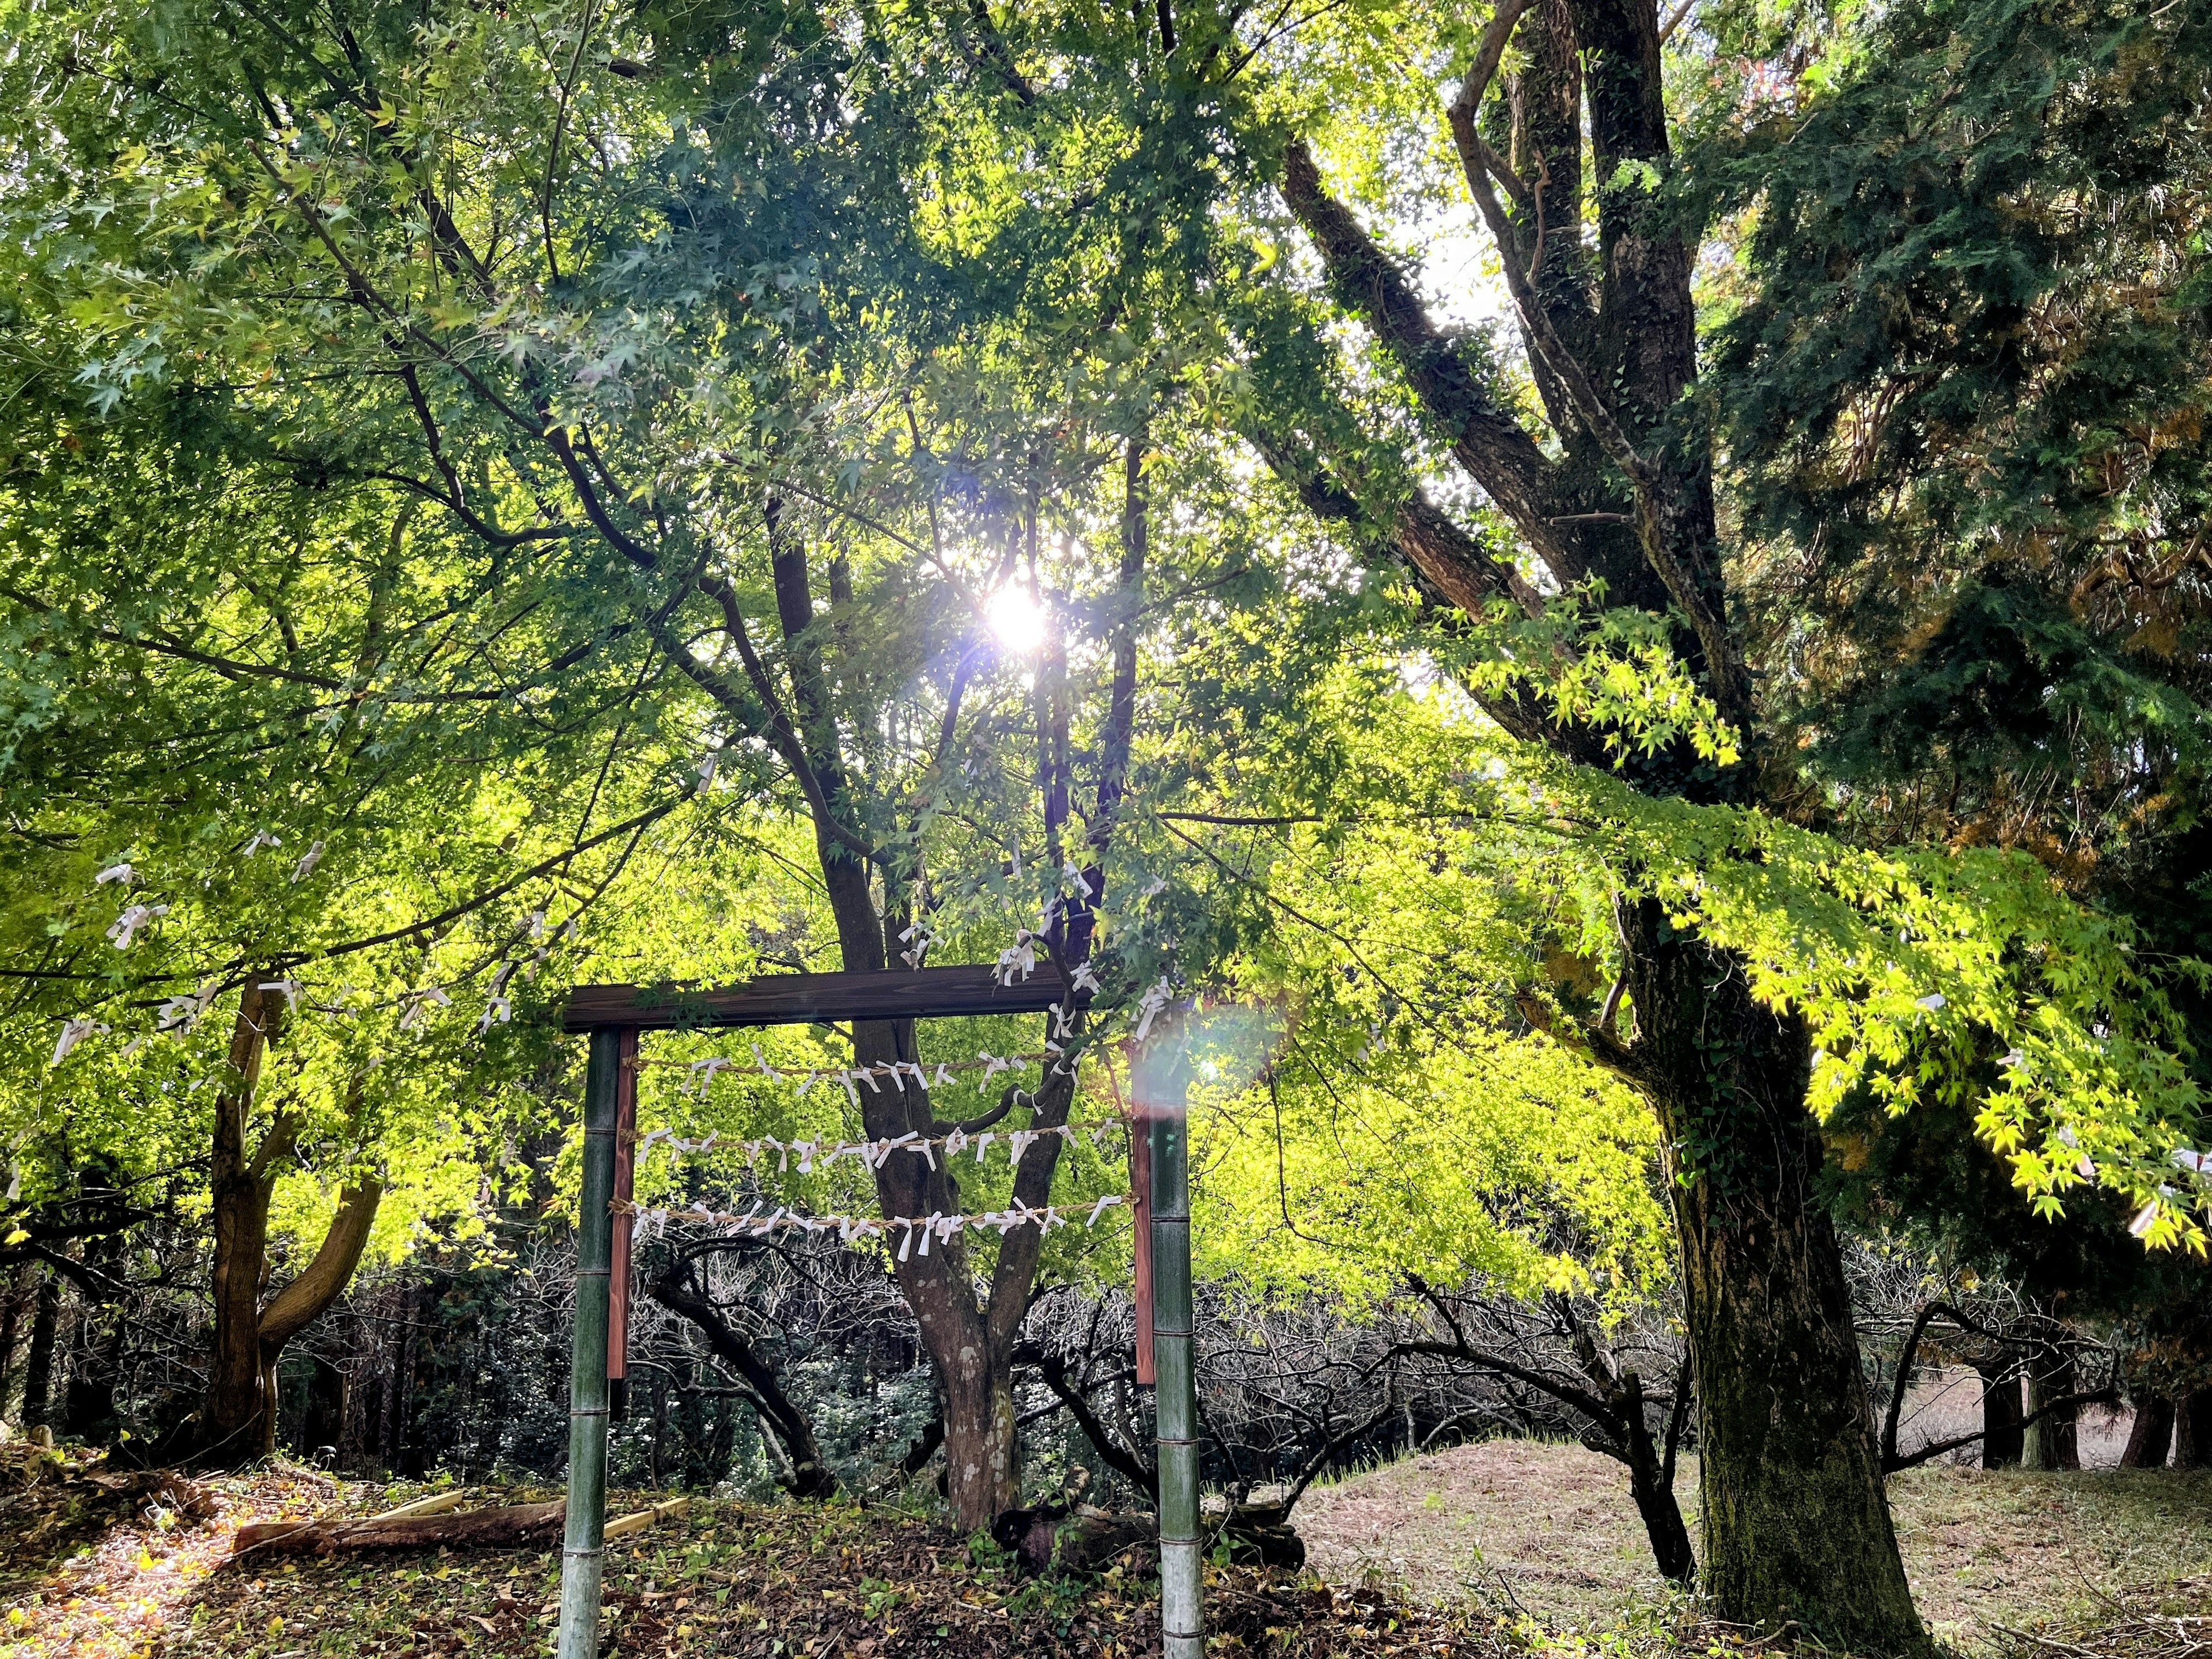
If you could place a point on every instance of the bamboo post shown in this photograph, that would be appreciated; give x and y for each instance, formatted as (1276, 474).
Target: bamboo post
(618, 1285)
(612, 1070)
(1162, 1081)
(1141, 1188)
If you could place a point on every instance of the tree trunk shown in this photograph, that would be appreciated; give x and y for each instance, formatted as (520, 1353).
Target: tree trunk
(2003, 1438)
(2193, 1429)
(2151, 1436)
(38, 1363)
(231, 1415)
(1654, 1492)
(980, 1442)
(2053, 1440)
(22, 1293)
(237, 1416)
(1798, 1527)
(970, 1345)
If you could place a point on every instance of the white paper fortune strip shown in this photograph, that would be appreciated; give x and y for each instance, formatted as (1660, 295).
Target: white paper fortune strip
(760, 1222)
(936, 1075)
(812, 1155)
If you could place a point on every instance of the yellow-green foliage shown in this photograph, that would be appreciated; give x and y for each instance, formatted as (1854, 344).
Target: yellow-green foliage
(1503, 1159)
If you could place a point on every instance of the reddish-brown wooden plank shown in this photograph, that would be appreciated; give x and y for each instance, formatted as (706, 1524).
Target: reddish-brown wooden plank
(802, 999)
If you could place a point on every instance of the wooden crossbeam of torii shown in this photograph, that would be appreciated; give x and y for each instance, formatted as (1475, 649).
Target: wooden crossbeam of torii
(614, 1015)
(816, 998)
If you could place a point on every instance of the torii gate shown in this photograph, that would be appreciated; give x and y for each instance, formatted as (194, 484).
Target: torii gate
(614, 1015)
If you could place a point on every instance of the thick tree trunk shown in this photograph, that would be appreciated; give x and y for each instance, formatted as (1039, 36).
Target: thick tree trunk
(2053, 1440)
(1798, 1527)
(2193, 1429)
(2003, 1437)
(2150, 1437)
(981, 1447)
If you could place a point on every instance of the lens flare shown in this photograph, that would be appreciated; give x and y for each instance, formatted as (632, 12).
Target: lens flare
(1017, 620)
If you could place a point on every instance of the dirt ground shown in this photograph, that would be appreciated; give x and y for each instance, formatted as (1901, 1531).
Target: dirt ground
(1551, 1527)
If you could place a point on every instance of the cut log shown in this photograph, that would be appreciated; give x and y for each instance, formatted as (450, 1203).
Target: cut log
(508, 1527)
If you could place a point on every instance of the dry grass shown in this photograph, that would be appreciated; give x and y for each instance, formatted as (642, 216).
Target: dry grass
(1551, 1525)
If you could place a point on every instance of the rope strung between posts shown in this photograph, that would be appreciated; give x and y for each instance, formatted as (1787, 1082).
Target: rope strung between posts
(813, 1155)
(755, 1225)
(937, 1075)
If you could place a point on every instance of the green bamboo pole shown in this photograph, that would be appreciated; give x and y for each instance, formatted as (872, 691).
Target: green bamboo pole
(1164, 1082)
(614, 1056)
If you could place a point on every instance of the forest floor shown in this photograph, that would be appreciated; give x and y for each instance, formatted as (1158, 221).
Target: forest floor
(1550, 1528)
(1429, 1557)
(87, 1574)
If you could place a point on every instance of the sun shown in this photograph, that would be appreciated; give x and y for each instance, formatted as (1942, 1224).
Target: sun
(1015, 619)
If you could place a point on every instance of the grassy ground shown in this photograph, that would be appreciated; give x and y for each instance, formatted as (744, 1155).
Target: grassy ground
(1551, 1527)
(1428, 1557)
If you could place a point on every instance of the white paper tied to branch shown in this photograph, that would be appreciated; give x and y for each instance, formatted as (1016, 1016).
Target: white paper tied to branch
(919, 941)
(500, 1010)
(1075, 879)
(1019, 958)
(1150, 1005)
(421, 1003)
(2146, 1217)
(708, 768)
(122, 872)
(183, 1013)
(308, 860)
(936, 1076)
(74, 1031)
(124, 928)
(935, 1226)
(261, 838)
(1082, 978)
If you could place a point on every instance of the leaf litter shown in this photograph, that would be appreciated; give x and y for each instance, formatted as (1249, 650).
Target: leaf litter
(778, 1581)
